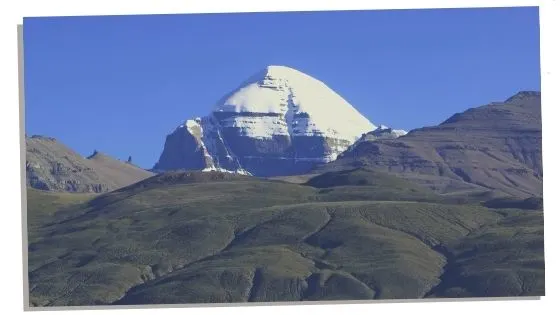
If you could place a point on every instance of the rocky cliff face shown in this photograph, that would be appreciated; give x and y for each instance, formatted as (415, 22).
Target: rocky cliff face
(278, 122)
(52, 166)
(496, 147)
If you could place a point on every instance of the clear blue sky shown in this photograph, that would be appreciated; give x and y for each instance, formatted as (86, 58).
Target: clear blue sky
(120, 84)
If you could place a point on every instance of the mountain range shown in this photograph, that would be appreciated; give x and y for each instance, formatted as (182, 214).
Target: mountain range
(283, 123)
(285, 192)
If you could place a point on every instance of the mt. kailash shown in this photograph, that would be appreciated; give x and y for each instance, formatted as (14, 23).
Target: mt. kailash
(278, 122)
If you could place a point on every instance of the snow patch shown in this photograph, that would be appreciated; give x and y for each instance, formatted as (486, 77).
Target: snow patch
(307, 105)
(192, 126)
(257, 127)
(399, 132)
(223, 170)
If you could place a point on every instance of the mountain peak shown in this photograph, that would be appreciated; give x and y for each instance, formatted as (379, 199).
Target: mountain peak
(280, 68)
(278, 71)
(524, 95)
(304, 106)
(274, 73)
(279, 121)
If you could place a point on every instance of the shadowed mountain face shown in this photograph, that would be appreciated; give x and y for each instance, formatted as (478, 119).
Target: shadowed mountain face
(278, 122)
(52, 166)
(492, 147)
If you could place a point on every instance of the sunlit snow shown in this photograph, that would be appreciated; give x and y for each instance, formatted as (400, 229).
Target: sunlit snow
(305, 107)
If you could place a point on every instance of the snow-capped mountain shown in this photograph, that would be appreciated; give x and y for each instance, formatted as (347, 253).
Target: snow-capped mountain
(278, 122)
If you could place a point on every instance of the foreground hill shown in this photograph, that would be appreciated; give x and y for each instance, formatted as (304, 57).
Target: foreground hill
(52, 166)
(215, 238)
(496, 147)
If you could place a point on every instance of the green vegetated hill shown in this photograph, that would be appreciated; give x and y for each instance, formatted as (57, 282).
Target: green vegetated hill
(43, 205)
(215, 238)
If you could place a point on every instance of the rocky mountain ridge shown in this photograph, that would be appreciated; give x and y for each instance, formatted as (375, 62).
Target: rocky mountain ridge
(52, 166)
(492, 147)
(278, 122)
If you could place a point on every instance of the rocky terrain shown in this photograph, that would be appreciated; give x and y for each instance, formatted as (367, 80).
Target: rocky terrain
(266, 199)
(52, 166)
(278, 122)
(495, 147)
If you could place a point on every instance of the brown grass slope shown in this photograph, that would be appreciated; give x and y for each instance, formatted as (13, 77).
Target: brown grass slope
(52, 166)
(493, 147)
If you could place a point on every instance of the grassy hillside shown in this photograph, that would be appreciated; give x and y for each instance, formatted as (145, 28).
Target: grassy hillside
(43, 204)
(196, 238)
(366, 184)
(505, 258)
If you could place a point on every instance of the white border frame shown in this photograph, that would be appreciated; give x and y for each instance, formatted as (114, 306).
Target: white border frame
(12, 288)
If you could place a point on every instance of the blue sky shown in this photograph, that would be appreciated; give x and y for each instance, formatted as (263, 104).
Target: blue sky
(120, 84)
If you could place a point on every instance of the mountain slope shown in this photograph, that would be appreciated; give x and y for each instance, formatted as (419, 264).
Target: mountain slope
(52, 166)
(500, 259)
(278, 122)
(492, 147)
(216, 238)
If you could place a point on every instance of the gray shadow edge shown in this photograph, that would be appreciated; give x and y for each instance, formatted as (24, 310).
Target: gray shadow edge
(295, 303)
(22, 168)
